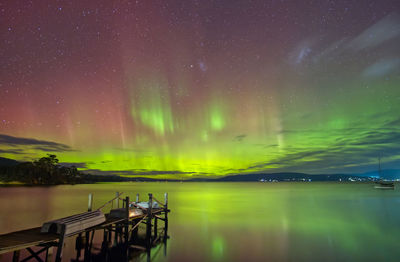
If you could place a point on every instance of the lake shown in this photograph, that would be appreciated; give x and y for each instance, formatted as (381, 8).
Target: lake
(237, 221)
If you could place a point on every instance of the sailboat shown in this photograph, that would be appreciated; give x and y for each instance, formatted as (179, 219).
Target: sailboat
(382, 184)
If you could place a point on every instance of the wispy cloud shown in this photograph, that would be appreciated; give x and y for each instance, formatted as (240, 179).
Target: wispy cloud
(382, 67)
(357, 148)
(77, 165)
(320, 53)
(15, 145)
(384, 30)
(11, 151)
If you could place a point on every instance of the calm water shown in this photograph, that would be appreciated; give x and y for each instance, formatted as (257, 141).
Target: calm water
(238, 221)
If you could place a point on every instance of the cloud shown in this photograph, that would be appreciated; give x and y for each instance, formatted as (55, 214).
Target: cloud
(77, 165)
(11, 151)
(384, 30)
(330, 54)
(355, 150)
(40, 145)
(382, 67)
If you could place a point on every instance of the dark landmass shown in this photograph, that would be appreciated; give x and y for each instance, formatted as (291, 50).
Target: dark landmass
(44, 171)
(8, 162)
(278, 177)
(48, 171)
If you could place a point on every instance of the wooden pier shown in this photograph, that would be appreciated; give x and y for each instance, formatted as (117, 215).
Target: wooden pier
(120, 229)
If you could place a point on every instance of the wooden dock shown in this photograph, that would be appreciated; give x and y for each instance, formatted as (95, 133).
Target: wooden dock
(119, 228)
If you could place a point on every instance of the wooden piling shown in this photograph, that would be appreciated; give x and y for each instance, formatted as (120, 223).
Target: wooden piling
(60, 247)
(90, 202)
(116, 199)
(127, 219)
(49, 253)
(86, 253)
(165, 214)
(155, 227)
(16, 256)
(148, 223)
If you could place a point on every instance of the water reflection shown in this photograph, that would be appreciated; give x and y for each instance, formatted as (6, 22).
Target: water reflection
(239, 221)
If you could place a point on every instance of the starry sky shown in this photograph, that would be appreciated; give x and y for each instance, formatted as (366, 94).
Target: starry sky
(190, 88)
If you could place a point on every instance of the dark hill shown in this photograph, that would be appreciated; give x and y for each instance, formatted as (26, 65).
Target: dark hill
(8, 162)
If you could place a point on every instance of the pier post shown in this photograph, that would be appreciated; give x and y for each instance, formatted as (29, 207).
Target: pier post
(60, 246)
(137, 198)
(49, 253)
(127, 220)
(90, 202)
(166, 215)
(117, 199)
(78, 246)
(86, 253)
(16, 256)
(155, 227)
(149, 218)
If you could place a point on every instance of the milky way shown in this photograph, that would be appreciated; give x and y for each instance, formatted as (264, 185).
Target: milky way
(201, 88)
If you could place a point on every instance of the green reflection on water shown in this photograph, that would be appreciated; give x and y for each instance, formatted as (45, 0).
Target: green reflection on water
(242, 221)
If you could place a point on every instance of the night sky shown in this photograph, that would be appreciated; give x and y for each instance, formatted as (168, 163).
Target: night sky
(201, 88)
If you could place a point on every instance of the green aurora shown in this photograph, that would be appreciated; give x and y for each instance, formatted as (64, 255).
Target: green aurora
(204, 101)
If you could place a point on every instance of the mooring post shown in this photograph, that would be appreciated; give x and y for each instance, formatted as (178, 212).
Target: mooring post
(116, 199)
(104, 244)
(16, 256)
(127, 219)
(87, 240)
(109, 234)
(78, 246)
(149, 218)
(155, 227)
(166, 215)
(49, 253)
(137, 198)
(115, 235)
(60, 246)
(90, 202)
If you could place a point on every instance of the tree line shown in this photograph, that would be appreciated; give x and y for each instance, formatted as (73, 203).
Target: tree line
(44, 171)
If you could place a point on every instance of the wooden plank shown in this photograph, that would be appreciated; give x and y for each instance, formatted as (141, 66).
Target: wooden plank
(73, 224)
(25, 238)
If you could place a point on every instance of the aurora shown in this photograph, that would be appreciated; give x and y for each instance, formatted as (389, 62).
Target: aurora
(183, 89)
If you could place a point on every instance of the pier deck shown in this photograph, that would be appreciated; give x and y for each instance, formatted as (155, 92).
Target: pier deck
(28, 238)
(25, 238)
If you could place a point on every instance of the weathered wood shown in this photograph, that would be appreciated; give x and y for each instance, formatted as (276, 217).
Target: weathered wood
(117, 194)
(126, 233)
(111, 201)
(124, 225)
(74, 224)
(25, 238)
(149, 218)
(166, 210)
(16, 255)
(159, 202)
(60, 245)
(155, 227)
(34, 254)
(49, 253)
(90, 202)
